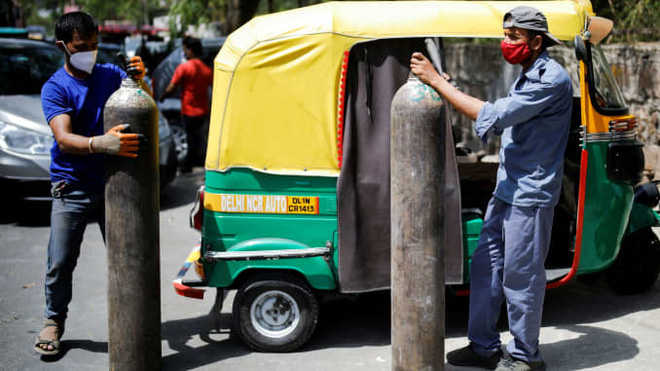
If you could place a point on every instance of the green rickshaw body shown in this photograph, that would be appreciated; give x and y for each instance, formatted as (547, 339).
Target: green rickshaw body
(252, 232)
(603, 227)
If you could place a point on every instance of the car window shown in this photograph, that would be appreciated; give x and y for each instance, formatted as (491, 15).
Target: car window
(25, 70)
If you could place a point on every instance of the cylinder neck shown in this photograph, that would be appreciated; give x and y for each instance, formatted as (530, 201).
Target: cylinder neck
(413, 77)
(129, 83)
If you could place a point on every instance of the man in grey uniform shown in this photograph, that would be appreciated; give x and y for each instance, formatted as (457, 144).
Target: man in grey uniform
(533, 121)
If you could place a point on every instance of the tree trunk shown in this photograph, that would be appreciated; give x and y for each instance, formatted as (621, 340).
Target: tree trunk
(238, 12)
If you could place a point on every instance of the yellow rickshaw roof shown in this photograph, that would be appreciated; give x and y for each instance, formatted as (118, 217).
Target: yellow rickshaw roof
(277, 78)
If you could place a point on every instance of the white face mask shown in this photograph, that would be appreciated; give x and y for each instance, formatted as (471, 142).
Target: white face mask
(83, 61)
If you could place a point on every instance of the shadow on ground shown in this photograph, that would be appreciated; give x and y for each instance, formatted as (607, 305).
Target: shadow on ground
(364, 320)
(182, 190)
(67, 345)
(218, 345)
(592, 348)
(25, 213)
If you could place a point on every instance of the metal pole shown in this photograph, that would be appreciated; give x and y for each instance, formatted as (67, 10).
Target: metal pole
(417, 222)
(132, 236)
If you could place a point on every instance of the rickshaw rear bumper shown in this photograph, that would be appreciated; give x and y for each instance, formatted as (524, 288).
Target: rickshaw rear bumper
(189, 288)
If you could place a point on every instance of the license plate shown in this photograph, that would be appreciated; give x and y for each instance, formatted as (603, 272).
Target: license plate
(261, 204)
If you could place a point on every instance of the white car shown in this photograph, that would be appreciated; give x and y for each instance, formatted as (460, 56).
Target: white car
(25, 137)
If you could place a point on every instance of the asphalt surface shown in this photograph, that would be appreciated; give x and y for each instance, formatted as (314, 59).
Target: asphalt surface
(584, 326)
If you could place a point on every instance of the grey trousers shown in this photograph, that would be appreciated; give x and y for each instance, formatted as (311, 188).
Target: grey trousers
(508, 263)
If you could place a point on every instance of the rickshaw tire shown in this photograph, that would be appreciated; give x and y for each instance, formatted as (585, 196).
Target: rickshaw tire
(637, 266)
(293, 286)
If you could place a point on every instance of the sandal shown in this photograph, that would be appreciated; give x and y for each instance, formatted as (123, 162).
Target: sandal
(59, 331)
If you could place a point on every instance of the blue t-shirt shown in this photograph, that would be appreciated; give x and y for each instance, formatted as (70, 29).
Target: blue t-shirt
(534, 121)
(83, 100)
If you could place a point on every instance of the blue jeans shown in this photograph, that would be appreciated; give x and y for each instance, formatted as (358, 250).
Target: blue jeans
(509, 263)
(72, 209)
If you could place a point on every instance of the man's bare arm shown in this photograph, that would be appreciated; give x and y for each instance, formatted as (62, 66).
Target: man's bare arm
(66, 139)
(171, 88)
(113, 142)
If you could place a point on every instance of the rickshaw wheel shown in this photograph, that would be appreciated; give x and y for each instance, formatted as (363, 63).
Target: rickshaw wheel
(275, 313)
(637, 266)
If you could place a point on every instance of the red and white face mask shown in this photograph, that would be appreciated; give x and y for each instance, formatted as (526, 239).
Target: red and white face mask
(515, 53)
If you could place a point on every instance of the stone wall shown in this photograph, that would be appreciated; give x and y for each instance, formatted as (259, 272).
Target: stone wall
(637, 71)
(480, 70)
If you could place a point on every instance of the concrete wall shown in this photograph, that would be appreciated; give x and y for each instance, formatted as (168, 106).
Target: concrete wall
(637, 70)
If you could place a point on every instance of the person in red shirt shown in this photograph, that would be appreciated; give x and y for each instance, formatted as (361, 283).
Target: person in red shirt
(194, 77)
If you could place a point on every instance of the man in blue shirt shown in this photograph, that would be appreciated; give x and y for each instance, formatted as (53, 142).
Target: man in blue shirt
(73, 100)
(533, 121)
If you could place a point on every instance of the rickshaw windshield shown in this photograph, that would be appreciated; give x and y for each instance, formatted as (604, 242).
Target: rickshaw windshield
(606, 93)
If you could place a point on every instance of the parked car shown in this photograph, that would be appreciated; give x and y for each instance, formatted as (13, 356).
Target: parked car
(25, 138)
(171, 107)
(107, 53)
(14, 32)
(36, 32)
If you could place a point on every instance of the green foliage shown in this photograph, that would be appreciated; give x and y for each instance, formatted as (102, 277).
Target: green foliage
(46, 12)
(281, 5)
(634, 20)
(33, 16)
(194, 12)
(137, 11)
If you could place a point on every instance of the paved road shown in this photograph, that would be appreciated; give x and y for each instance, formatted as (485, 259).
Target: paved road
(585, 327)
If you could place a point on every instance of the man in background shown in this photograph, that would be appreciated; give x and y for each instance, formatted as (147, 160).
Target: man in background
(194, 77)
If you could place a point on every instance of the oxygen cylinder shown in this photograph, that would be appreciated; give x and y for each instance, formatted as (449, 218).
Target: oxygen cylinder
(132, 234)
(417, 160)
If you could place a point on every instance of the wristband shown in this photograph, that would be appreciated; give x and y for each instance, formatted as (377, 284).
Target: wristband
(89, 145)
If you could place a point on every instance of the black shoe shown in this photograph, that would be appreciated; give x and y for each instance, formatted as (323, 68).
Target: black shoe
(466, 356)
(514, 364)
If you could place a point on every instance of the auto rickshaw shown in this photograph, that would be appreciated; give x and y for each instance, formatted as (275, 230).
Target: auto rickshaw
(295, 206)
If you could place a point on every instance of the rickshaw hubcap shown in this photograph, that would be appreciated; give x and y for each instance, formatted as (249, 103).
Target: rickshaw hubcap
(274, 314)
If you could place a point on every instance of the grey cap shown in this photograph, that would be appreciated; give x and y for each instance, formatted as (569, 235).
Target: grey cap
(529, 18)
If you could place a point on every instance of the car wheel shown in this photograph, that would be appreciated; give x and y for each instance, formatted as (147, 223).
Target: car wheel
(180, 143)
(275, 313)
(637, 266)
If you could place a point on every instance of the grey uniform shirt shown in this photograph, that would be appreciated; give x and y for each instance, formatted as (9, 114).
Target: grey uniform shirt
(534, 121)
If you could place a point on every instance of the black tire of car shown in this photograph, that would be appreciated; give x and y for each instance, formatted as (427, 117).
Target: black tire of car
(290, 293)
(180, 143)
(637, 266)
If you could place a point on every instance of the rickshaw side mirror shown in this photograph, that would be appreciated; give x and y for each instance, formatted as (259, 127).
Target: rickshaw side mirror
(580, 48)
(597, 29)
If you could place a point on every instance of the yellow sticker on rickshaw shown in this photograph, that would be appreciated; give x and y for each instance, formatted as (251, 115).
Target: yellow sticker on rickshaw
(261, 204)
